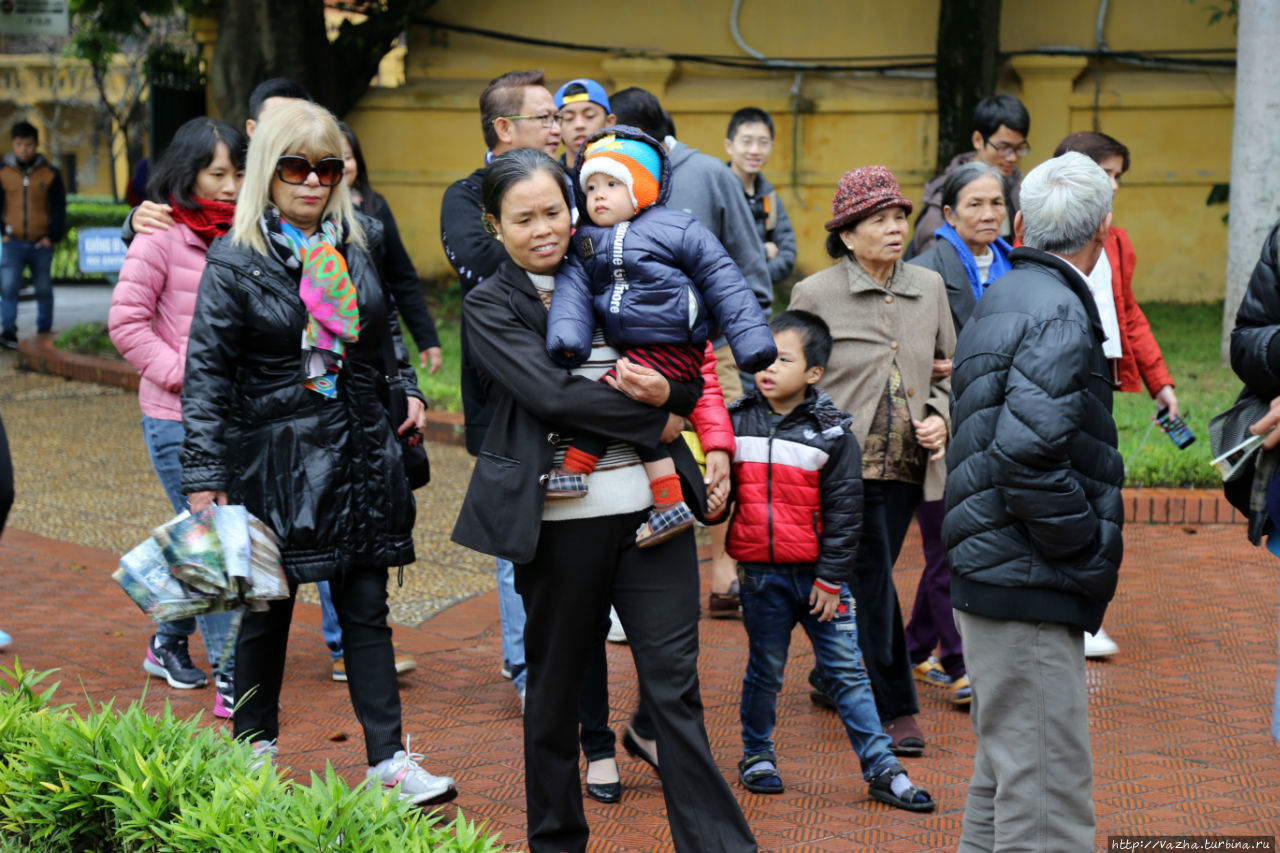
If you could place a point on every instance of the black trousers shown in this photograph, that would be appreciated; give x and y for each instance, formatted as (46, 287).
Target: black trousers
(6, 477)
(579, 569)
(360, 598)
(593, 707)
(887, 511)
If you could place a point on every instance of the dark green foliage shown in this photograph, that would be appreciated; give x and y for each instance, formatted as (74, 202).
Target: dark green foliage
(114, 781)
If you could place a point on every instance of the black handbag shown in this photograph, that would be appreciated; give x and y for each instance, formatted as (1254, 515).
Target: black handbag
(417, 467)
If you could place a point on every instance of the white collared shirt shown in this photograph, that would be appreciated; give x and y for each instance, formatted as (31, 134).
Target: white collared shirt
(1099, 281)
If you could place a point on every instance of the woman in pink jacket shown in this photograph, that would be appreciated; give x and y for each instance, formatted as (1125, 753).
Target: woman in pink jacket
(199, 175)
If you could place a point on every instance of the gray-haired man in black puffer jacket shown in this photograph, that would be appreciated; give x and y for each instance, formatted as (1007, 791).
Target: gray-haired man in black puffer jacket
(1034, 515)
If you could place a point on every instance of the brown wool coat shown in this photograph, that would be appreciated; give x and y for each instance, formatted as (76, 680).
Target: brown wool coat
(909, 320)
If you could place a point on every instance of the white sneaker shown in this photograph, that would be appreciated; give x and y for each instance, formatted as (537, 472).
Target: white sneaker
(1099, 645)
(616, 634)
(264, 752)
(416, 785)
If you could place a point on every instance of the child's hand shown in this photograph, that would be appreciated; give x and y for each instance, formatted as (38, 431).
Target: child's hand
(824, 603)
(717, 481)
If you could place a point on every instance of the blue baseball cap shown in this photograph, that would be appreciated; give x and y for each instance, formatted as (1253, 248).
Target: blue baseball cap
(594, 93)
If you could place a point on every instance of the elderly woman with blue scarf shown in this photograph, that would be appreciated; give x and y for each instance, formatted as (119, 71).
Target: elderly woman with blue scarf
(969, 255)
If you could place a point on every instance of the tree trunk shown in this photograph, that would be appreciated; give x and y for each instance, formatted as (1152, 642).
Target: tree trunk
(253, 45)
(968, 48)
(260, 39)
(1255, 151)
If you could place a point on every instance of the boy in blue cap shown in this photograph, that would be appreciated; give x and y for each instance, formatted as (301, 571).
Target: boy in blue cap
(583, 108)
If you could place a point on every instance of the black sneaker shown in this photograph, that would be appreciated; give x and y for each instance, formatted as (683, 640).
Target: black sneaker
(172, 663)
(8, 342)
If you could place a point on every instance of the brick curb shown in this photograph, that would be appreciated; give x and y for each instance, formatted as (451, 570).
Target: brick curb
(1153, 506)
(38, 353)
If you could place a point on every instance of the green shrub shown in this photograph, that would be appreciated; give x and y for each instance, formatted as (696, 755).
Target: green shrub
(154, 783)
(92, 338)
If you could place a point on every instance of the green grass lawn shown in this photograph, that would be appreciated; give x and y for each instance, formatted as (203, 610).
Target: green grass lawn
(442, 389)
(1189, 336)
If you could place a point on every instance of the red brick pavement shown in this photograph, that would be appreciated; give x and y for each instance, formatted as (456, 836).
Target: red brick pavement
(1179, 718)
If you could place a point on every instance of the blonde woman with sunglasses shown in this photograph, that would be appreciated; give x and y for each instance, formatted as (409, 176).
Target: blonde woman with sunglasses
(285, 411)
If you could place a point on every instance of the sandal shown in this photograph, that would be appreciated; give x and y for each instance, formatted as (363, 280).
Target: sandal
(913, 799)
(663, 524)
(758, 779)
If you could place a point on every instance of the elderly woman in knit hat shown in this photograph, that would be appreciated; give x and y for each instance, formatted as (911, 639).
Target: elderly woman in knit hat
(890, 322)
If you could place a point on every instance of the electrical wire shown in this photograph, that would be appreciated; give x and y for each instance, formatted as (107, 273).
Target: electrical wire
(1183, 59)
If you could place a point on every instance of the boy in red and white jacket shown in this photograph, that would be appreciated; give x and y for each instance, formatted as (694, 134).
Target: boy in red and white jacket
(797, 473)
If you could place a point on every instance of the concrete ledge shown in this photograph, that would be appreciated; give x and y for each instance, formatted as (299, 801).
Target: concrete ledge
(1151, 506)
(38, 353)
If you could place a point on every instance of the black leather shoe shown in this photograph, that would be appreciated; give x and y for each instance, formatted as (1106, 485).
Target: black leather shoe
(605, 792)
(635, 750)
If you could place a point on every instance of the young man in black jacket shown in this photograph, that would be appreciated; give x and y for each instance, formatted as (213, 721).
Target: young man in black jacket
(1034, 515)
(516, 111)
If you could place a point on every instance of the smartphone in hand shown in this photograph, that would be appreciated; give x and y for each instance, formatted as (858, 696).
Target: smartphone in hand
(1177, 430)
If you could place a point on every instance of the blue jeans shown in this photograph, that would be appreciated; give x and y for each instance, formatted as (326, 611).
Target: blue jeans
(511, 614)
(164, 442)
(774, 599)
(329, 627)
(15, 256)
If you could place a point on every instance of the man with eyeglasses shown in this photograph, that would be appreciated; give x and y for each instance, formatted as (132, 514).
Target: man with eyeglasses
(1000, 128)
(516, 111)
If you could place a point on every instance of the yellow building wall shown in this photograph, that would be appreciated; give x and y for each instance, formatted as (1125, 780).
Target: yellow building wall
(57, 95)
(420, 137)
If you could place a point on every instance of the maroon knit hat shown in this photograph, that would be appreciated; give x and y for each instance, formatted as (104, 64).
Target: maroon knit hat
(862, 192)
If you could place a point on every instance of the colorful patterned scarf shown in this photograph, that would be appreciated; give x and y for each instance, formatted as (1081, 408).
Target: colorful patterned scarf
(327, 292)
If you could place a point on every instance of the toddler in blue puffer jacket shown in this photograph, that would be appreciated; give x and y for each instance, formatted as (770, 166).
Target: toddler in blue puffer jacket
(658, 285)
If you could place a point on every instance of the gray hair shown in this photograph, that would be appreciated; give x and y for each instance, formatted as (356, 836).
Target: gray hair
(964, 175)
(1064, 200)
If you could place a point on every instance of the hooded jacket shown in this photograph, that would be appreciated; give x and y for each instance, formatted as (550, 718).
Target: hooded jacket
(702, 187)
(1034, 512)
(658, 278)
(325, 474)
(797, 487)
(773, 226)
(33, 202)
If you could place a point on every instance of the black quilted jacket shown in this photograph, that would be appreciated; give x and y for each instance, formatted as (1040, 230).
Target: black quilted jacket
(1255, 351)
(326, 475)
(1034, 513)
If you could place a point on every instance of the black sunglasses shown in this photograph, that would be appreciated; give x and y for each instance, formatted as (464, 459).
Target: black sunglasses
(295, 170)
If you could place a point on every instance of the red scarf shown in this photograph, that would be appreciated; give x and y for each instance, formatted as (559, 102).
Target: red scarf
(210, 220)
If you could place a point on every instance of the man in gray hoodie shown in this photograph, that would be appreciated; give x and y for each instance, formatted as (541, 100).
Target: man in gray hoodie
(702, 187)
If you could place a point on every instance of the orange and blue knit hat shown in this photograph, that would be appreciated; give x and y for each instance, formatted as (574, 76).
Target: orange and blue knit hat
(632, 161)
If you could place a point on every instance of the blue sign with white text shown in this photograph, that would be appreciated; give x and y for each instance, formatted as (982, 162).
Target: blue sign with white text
(101, 249)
